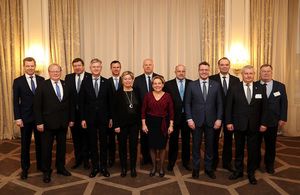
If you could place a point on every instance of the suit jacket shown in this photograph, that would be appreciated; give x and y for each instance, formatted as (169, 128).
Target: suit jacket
(141, 84)
(49, 110)
(240, 113)
(172, 88)
(199, 110)
(278, 104)
(23, 99)
(70, 78)
(111, 81)
(94, 108)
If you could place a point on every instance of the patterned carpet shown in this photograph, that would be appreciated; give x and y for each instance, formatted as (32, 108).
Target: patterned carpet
(286, 179)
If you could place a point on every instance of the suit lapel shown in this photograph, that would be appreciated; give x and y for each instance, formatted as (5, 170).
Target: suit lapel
(274, 89)
(64, 90)
(26, 83)
(243, 96)
(199, 89)
(51, 89)
(175, 88)
(145, 82)
(254, 93)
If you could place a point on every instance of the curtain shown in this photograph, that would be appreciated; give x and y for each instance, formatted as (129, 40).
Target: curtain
(64, 33)
(261, 21)
(11, 55)
(167, 31)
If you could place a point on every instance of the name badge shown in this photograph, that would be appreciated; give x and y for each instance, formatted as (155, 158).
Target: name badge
(258, 96)
(277, 94)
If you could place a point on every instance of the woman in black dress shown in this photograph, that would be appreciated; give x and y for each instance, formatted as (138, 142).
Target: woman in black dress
(126, 120)
(157, 121)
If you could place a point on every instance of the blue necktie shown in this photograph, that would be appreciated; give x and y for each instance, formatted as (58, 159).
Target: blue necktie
(224, 85)
(58, 91)
(181, 91)
(117, 84)
(32, 85)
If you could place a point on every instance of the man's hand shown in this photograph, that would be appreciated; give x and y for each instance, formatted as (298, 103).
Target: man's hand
(19, 123)
(83, 124)
(71, 124)
(118, 130)
(110, 124)
(218, 124)
(230, 127)
(262, 128)
(281, 123)
(191, 124)
(40, 128)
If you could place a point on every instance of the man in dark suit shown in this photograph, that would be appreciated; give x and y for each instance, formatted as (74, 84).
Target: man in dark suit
(176, 88)
(94, 106)
(116, 83)
(226, 80)
(54, 113)
(80, 139)
(23, 95)
(143, 84)
(204, 112)
(246, 114)
(278, 104)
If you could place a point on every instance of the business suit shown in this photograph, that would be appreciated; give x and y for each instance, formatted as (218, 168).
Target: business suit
(79, 135)
(204, 114)
(96, 112)
(179, 124)
(111, 146)
(227, 146)
(141, 84)
(55, 115)
(23, 110)
(278, 111)
(246, 119)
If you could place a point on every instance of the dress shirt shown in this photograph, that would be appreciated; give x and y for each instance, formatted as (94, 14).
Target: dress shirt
(114, 79)
(28, 79)
(226, 79)
(269, 86)
(245, 88)
(146, 76)
(60, 88)
(206, 84)
(178, 84)
(76, 79)
(98, 81)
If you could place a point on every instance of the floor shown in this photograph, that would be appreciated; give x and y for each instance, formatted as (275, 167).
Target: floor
(286, 179)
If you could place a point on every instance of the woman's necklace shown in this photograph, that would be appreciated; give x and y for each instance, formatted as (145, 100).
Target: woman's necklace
(129, 100)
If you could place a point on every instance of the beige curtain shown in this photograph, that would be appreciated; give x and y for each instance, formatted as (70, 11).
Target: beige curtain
(168, 31)
(64, 33)
(11, 55)
(261, 21)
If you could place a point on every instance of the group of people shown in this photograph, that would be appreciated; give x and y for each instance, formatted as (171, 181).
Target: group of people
(98, 108)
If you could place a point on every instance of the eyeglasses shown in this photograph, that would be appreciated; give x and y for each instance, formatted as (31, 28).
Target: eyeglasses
(54, 72)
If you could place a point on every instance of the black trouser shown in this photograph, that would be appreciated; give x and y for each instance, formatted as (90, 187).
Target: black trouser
(270, 136)
(80, 141)
(111, 146)
(252, 144)
(173, 143)
(144, 146)
(131, 131)
(216, 147)
(93, 144)
(227, 147)
(26, 133)
(47, 138)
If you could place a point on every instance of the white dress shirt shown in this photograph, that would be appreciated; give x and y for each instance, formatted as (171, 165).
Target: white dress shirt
(28, 79)
(245, 88)
(81, 76)
(146, 76)
(206, 84)
(60, 88)
(226, 79)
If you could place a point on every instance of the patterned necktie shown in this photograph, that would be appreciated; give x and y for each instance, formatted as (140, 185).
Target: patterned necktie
(78, 84)
(32, 85)
(224, 85)
(117, 84)
(96, 87)
(58, 91)
(204, 91)
(248, 93)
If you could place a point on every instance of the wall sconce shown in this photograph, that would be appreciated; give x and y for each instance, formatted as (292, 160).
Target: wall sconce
(37, 52)
(238, 57)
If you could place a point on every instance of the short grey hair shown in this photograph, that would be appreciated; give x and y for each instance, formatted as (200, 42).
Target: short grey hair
(247, 67)
(95, 60)
(179, 65)
(54, 64)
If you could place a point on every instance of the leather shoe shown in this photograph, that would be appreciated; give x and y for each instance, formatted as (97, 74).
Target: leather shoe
(75, 165)
(133, 173)
(186, 166)
(110, 163)
(162, 174)
(170, 168)
(86, 165)
(94, 173)
(235, 175)
(195, 174)
(64, 172)
(123, 173)
(24, 174)
(270, 169)
(252, 179)
(210, 174)
(104, 172)
(229, 168)
(152, 174)
(47, 178)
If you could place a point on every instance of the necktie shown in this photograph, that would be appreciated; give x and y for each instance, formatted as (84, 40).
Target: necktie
(96, 87)
(117, 83)
(78, 83)
(204, 91)
(149, 84)
(58, 91)
(32, 85)
(181, 91)
(224, 85)
(268, 92)
(248, 93)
